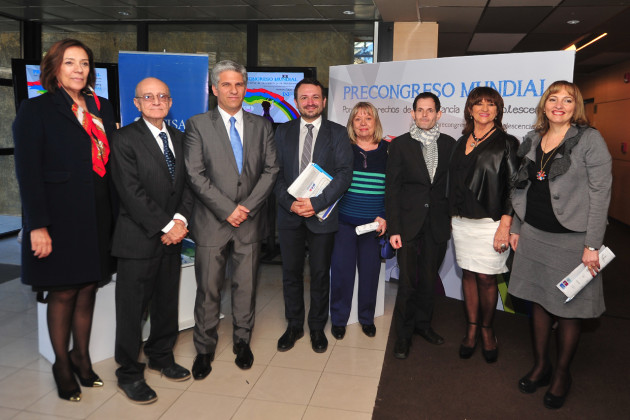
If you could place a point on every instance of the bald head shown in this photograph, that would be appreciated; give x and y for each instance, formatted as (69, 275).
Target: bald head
(153, 100)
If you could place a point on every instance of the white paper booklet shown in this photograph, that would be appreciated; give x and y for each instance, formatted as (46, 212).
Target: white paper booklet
(310, 183)
(580, 277)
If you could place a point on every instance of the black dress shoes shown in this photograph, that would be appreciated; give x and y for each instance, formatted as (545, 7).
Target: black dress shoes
(319, 342)
(244, 355)
(201, 366)
(174, 372)
(369, 329)
(138, 392)
(554, 402)
(91, 381)
(338, 332)
(288, 339)
(527, 386)
(430, 335)
(401, 348)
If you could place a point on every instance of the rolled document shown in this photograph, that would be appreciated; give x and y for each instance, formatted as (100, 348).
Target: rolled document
(572, 284)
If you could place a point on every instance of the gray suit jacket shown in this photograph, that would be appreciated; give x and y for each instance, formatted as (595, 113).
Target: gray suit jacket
(148, 197)
(214, 179)
(580, 180)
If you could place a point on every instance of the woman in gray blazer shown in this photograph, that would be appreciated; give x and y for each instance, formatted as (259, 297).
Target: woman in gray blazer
(560, 199)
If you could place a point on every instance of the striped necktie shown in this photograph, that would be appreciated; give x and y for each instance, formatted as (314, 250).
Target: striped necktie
(237, 146)
(307, 149)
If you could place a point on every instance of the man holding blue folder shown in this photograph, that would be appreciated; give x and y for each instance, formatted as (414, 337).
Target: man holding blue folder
(309, 139)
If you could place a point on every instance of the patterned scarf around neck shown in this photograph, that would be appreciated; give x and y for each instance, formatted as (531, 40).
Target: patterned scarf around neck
(93, 126)
(428, 139)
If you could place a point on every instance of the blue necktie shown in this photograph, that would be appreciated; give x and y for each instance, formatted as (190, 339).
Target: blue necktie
(168, 155)
(237, 146)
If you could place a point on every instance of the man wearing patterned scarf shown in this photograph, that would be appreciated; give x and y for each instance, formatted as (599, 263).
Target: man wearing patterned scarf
(418, 218)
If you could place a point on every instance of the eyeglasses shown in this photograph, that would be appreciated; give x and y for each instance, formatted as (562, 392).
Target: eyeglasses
(162, 97)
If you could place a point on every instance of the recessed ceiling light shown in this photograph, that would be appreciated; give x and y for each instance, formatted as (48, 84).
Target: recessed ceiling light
(573, 22)
(348, 12)
(124, 13)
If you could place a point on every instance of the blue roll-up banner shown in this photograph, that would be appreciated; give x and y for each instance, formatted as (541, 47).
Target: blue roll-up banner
(185, 74)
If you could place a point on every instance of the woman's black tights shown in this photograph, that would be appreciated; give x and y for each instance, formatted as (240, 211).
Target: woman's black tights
(567, 338)
(71, 312)
(480, 300)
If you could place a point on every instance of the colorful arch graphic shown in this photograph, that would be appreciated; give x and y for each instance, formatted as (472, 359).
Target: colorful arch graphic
(256, 96)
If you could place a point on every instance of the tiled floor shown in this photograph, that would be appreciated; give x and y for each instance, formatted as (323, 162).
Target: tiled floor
(298, 384)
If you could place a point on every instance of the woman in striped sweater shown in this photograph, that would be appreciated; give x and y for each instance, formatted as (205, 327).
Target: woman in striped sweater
(364, 202)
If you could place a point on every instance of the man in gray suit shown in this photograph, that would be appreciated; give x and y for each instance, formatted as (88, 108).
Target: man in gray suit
(231, 163)
(155, 203)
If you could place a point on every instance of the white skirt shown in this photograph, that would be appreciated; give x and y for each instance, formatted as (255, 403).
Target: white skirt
(474, 251)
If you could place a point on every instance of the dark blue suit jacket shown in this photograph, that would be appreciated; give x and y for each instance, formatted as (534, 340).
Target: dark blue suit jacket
(332, 152)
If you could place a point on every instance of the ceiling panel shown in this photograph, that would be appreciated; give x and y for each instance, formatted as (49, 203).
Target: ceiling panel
(544, 42)
(494, 42)
(234, 12)
(452, 19)
(511, 19)
(521, 3)
(292, 12)
(336, 12)
(453, 44)
(589, 18)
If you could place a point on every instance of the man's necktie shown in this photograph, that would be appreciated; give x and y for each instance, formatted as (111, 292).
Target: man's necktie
(307, 149)
(237, 146)
(168, 155)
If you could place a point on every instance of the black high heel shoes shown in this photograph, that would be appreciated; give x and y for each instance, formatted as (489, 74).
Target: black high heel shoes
(73, 394)
(92, 381)
(466, 352)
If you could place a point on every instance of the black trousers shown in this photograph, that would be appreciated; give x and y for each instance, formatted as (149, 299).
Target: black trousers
(292, 247)
(419, 260)
(142, 283)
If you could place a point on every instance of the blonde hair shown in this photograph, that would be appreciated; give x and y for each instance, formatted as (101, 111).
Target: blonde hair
(371, 111)
(579, 114)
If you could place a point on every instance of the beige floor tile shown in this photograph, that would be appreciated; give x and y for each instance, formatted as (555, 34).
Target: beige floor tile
(20, 301)
(27, 415)
(269, 327)
(25, 387)
(192, 405)
(227, 379)
(184, 345)
(264, 350)
(18, 325)
(355, 337)
(318, 413)
(6, 371)
(353, 393)
(91, 400)
(278, 384)
(19, 353)
(264, 410)
(155, 379)
(41, 364)
(106, 369)
(7, 413)
(120, 408)
(302, 356)
(355, 361)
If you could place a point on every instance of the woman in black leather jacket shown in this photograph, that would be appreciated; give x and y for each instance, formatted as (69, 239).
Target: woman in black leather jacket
(482, 167)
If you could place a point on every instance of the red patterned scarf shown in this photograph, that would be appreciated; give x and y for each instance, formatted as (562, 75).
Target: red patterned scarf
(93, 125)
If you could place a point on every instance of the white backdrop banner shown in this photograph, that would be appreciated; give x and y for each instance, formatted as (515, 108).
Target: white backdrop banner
(520, 79)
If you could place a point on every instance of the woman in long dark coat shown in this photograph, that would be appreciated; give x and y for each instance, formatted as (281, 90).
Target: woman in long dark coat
(61, 159)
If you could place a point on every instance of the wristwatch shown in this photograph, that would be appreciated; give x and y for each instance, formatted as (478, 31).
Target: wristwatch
(590, 248)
